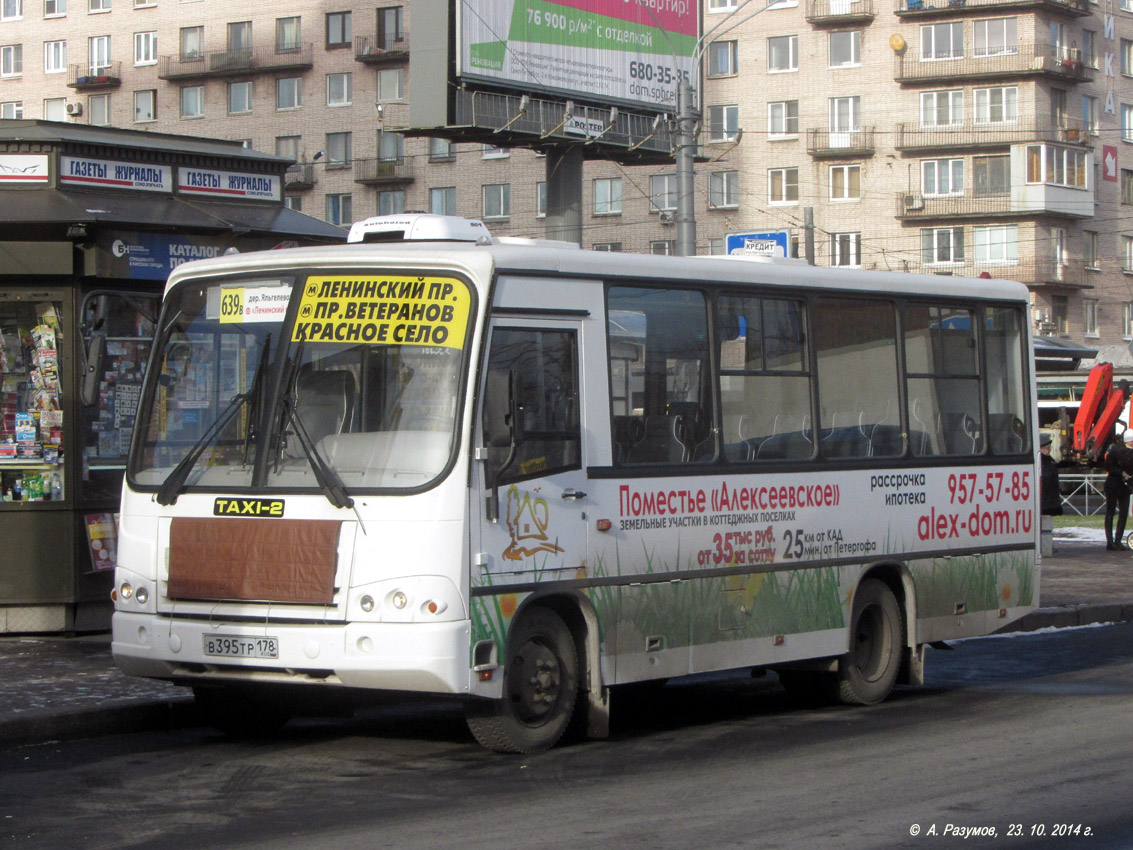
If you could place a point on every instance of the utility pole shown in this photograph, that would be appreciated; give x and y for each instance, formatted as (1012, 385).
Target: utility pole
(685, 155)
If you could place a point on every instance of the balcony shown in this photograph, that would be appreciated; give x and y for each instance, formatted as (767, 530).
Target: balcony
(819, 12)
(1035, 272)
(913, 138)
(951, 8)
(382, 50)
(299, 177)
(1033, 60)
(912, 206)
(235, 63)
(823, 143)
(94, 77)
(375, 172)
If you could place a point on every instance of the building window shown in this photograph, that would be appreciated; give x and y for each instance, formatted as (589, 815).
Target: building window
(288, 147)
(288, 92)
(663, 247)
(440, 150)
(541, 199)
(1057, 166)
(11, 10)
(11, 60)
(391, 84)
(845, 249)
(293, 202)
(54, 57)
(996, 105)
(1090, 114)
(99, 5)
(1060, 313)
(192, 101)
(288, 35)
(338, 30)
(995, 37)
(943, 41)
(55, 109)
(391, 30)
(391, 202)
(442, 200)
(145, 48)
(942, 245)
(996, 244)
(942, 108)
(98, 108)
(723, 190)
(192, 43)
(239, 97)
(721, 5)
(1127, 122)
(497, 200)
(1127, 57)
(391, 146)
(1127, 254)
(783, 185)
(608, 196)
(845, 49)
(12, 109)
(783, 53)
(339, 154)
(340, 89)
(723, 59)
(240, 37)
(1090, 315)
(145, 105)
(783, 118)
(991, 176)
(99, 50)
(1090, 249)
(662, 192)
(606, 246)
(1090, 48)
(51, 8)
(340, 209)
(494, 152)
(1127, 320)
(845, 182)
(942, 177)
(723, 122)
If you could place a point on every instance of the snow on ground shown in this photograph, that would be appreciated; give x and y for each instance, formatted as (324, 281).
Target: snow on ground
(1078, 534)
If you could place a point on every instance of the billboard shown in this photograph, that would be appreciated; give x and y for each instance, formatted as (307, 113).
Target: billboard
(770, 244)
(609, 51)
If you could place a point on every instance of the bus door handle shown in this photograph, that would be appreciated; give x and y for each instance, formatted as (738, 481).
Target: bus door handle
(573, 494)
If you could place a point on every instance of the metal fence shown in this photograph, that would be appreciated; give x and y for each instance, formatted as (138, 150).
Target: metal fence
(1082, 493)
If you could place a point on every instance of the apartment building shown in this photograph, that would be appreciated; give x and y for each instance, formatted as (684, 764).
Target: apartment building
(944, 136)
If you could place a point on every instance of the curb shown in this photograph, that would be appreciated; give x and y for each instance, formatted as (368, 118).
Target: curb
(176, 713)
(1070, 616)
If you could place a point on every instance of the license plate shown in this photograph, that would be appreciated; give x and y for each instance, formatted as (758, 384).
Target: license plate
(240, 646)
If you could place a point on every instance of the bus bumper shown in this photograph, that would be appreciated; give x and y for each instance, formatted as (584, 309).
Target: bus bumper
(427, 658)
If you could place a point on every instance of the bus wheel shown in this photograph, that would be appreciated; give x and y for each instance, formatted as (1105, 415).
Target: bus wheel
(540, 688)
(867, 672)
(240, 712)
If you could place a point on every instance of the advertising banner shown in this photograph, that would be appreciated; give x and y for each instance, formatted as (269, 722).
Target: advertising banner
(631, 51)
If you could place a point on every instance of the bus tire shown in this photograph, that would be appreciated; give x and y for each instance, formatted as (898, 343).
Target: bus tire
(867, 673)
(240, 712)
(540, 688)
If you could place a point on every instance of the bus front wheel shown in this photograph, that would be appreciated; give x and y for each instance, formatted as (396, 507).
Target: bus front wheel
(866, 674)
(540, 688)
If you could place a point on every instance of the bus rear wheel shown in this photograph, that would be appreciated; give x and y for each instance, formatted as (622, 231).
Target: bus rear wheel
(540, 688)
(867, 673)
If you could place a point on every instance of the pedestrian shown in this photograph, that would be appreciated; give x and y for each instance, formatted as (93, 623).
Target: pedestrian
(1050, 499)
(1119, 470)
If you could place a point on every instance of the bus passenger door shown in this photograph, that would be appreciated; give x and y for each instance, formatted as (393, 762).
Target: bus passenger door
(531, 482)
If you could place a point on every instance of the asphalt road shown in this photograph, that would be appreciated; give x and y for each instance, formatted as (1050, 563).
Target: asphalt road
(1027, 734)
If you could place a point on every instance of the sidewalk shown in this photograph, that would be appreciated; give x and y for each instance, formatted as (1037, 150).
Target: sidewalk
(54, 687)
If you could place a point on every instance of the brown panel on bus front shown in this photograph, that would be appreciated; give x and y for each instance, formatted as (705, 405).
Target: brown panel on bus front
(269, 560)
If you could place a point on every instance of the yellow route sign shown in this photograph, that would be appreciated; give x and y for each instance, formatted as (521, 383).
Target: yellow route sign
(383, 310)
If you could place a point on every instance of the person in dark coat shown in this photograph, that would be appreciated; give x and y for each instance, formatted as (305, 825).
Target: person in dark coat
(1119, 470)
(1050, 499)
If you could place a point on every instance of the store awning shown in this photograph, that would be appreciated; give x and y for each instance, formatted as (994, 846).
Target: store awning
(268, 218)
(1053, 354)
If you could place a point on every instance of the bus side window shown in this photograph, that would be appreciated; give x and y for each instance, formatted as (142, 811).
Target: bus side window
(1007, 402)
(661, 399)
(544, 381)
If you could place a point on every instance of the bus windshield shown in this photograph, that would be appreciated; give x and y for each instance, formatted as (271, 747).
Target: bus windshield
(360, 385)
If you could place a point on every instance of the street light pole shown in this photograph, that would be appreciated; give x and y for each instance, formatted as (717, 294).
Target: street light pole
(685, 138)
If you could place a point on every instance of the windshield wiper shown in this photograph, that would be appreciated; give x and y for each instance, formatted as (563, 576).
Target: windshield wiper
(327, 477)
(172, 485)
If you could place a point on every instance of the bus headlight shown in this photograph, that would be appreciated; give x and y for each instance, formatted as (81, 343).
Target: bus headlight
(367, 603)
(142, 595)
(399, 600)
(126, 590)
